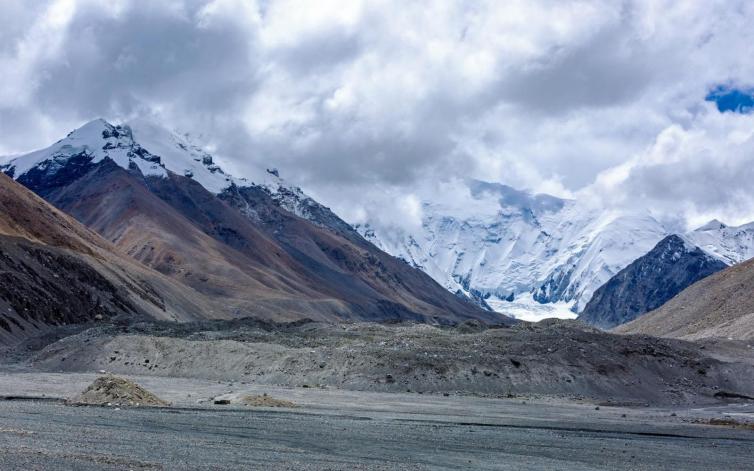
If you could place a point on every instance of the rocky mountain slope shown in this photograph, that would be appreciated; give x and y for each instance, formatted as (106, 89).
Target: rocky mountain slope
(54, 271)
(649, 281)
(720, 305)
(256, 247)
(673, 265)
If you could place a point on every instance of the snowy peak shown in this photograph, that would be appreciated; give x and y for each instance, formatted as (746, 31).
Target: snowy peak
(713, 225)
(528, 255)
(155, 151)
(152, 148)
(729, 244)
(509, 197)
(91, 143)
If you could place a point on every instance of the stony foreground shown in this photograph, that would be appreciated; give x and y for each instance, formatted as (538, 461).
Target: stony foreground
(343, 430)
(561, 359)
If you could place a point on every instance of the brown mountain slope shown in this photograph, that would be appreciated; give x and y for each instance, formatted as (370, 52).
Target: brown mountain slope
(720, 305)
(119, 205)
(54, 271)
(296, 270)
(339, 255)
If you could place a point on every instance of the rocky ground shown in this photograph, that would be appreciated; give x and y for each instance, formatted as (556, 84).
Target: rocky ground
(561, 359)
(335, 429)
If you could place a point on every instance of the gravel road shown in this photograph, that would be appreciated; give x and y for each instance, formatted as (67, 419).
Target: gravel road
(335, 429)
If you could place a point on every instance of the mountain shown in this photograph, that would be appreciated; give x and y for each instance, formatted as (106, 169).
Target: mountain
(674, 264)
(720, 305)
(730, 244)
(530, 255)
(54, 271)
(255, 246)
(649, 281)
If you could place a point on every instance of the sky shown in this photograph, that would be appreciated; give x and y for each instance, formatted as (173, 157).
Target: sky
(374, 106)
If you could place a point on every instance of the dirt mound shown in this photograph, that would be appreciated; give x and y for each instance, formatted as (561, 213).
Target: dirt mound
(265, 401)
(112, 390)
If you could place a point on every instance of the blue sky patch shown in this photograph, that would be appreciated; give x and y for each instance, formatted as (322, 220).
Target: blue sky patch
(732, 99)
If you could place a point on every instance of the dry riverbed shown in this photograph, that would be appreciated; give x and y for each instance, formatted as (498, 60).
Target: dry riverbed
(253, 395)
(339, 429)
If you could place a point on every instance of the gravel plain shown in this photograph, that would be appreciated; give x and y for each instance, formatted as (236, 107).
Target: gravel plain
(555, 395)
(333, 429)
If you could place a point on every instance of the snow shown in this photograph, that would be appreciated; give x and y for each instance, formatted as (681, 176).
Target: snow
(726, 243)
(98, 139)
(179, 155)
(556, 250)
(529, 310)
(182, 156)
(156, 150)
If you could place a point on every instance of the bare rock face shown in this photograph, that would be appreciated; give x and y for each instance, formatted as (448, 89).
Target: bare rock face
(649, 282)
(115, 391)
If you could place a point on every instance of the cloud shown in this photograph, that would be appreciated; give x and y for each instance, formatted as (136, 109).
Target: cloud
(700, 172)
(372, 104)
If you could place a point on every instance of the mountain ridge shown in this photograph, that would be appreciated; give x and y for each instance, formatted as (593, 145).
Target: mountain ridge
(55, 271)
(648, 282)
(537, 256)
(164, 201)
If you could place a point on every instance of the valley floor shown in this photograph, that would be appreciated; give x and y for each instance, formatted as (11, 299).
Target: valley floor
(337, 429)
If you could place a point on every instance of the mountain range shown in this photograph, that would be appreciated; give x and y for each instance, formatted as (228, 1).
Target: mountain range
(244, 247)
(259, 246)
(534, 256)
(649, 281)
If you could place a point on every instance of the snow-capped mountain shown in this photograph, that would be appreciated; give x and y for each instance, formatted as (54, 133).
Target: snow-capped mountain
(254, 246)
(676, 263)
(153, 150)
(535, 256)
(528, 255)
(730, 244)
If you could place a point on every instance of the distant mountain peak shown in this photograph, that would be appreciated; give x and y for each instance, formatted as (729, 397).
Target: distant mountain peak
(712, 225)
(154, 150)
(544, 250)
(510, 197)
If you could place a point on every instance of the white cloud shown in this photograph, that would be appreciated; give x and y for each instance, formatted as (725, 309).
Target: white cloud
(364, 103)
(698, 173)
